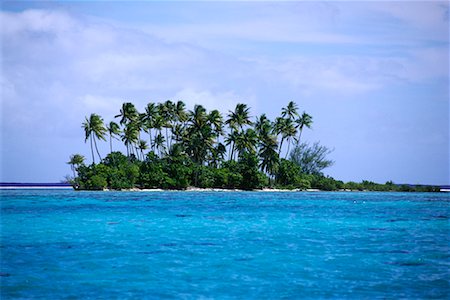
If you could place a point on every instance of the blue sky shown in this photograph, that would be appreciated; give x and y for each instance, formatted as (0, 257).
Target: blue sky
(374, 75)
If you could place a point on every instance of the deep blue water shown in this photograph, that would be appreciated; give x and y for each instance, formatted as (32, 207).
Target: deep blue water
(67, 244)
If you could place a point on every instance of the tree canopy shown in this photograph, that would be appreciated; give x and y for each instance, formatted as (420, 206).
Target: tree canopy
(189, 148)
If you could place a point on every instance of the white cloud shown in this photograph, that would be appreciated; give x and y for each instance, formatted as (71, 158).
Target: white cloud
(248, 31)
(347, 75)
(58, 67)
(399, 23)
(76, 64)
(425, 14)
(428, 63)
(44, 21)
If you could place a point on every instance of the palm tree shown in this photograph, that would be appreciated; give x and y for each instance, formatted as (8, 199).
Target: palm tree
(238, 118)
(113, 129)
(286, 128)
(158, 124)
(75, 161)
(246, 141)
(200, 133)
(128, 112)
(278, 129)
(165, 111)
(263, 126)
(290, 111)
(218, 155)
(86, 125)
(142, 145)
(178, 133)
(289, 133)
(130, 137)
(200, 137)
(141, 123)
(268, 145)
(220, 150)
(180, 112)
(94, 129)
(171, 108)
(231, 141)
(198, 117)
(215, 119)
(149, 119)
(158, 144)
(305, 120)
(268, 154)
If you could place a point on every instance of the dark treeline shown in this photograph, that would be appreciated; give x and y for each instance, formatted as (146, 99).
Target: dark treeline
(170, 147)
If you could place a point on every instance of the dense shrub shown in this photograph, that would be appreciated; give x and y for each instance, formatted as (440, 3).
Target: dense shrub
(177, 171)
(152, 174)
(252, 178)
(206, 177)
(289, 175)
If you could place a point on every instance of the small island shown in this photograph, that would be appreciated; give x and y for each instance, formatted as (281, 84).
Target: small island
(171, 148)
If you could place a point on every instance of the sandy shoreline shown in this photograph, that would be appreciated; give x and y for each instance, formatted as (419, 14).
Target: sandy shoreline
(189, 189)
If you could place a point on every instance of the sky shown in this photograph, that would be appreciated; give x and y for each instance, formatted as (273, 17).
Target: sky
(374, 76)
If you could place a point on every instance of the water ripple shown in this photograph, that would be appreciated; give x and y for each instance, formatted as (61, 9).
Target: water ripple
(62, 244)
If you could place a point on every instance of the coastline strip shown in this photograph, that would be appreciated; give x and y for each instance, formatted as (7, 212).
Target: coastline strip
(19, 186)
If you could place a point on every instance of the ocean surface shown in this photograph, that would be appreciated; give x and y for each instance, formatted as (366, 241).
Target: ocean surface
(225, 245)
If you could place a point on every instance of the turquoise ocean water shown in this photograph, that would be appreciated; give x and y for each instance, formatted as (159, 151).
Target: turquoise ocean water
(245, 245)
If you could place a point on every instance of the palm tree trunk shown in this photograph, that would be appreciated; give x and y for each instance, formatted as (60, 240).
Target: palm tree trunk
(287, 152)
(159, 146)
(96, 148)
(150, 137)
(231, 147)
(92, 151)
(110, 143)
(171, 135)
(281, 146)
(167, 139)
(232, 151)
(299, 135)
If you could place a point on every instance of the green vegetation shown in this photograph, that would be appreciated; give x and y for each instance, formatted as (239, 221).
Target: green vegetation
(189, 148)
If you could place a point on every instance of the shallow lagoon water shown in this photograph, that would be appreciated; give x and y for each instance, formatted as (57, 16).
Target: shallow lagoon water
(64, 244)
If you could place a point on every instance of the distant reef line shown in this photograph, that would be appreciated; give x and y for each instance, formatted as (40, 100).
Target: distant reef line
(25, 185)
